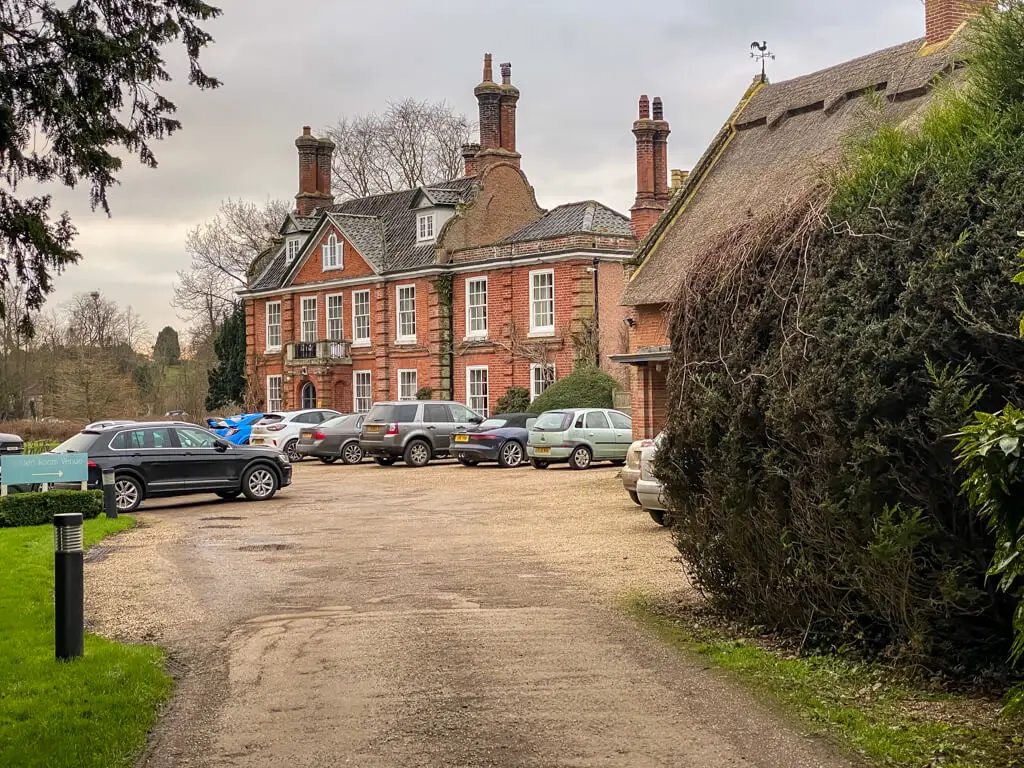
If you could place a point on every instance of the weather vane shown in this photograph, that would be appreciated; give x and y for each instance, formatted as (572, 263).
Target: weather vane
(760, 52)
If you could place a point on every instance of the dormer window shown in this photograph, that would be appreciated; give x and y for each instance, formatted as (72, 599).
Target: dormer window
(292, 248)
(425, 228)
(332, 251)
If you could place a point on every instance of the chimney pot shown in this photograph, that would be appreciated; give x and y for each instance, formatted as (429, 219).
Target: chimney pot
(659, 110)
(307, 130)
(506, 73)
(488, 71)
(645, 108)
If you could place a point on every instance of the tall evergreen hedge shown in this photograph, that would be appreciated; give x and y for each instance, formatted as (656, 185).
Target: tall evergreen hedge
(811, 470)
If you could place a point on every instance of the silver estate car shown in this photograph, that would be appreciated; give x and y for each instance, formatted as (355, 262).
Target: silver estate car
(414, 431)
(580, 436)
(649, 489)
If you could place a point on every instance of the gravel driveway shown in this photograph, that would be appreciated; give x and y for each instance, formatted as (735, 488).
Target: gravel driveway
(437, 617)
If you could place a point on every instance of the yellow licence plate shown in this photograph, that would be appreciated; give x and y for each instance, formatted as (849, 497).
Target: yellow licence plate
(256, 441)
(307, 434)
(542, 451)
(462, 438)
(372, 428)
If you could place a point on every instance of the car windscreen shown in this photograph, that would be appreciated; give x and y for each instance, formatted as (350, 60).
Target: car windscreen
(80, 443)
(392, 414)
(493, 424)
(553, 421)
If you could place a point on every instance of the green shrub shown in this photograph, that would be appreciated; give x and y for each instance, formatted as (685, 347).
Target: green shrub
(515, 400)
(39, 508)
(39, 446)
(586, 387)
(822, 358)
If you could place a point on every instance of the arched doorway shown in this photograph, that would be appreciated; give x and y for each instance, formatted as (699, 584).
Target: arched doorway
(308, 395)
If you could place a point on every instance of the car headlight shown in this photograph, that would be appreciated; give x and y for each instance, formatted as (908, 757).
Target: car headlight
(282, 458)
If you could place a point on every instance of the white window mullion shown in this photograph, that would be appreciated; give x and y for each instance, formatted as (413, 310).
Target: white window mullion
(274, 393)
(335, 315)
(362, 393)
(405, 299)
(309, 329)
(273, 325)
(542, 301)
(476, 307)
(361, 318)
(407, 384)
(477, 393)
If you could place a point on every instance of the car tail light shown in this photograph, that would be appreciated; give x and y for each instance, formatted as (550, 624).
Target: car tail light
(392, 429)
(275, 428)
(93, 465)
(485, 437)
(232, 431)
(319, 436)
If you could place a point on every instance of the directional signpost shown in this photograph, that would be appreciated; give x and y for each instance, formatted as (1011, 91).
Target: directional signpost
(44, 469)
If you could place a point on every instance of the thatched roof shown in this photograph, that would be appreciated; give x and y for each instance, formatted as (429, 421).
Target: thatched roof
(773, 148)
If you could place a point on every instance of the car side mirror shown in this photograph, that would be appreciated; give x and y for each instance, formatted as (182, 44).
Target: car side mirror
(221, 445)
(475, 420)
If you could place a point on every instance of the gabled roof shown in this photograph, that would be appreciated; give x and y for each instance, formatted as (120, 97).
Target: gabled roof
(295, 223)
(588, 217)
(773, 148)
(381, 227)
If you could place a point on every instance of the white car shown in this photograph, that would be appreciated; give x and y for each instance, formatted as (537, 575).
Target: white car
(648, 488)
(281, 429)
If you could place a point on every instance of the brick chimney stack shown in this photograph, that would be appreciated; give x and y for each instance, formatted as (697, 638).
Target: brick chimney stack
(944, 17)
(469, 153)
(661, 132)
(647, 208)
(314, 172)
(497, 119)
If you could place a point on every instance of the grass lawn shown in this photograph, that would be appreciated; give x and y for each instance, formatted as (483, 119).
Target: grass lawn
(890, 719)
(95, 711)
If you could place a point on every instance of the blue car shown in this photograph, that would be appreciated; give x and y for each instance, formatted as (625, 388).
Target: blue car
(236, 429)
(500, 438)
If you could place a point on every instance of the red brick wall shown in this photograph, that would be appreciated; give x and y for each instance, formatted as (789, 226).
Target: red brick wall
(312, 271)
(944, 17)
(649, 400)
(651, 329)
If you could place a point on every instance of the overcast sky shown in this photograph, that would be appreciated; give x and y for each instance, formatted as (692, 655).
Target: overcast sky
(580, 65)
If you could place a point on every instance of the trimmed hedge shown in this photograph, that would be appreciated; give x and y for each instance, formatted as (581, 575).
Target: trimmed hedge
(23, 509)
(515, 400)
(586, 387)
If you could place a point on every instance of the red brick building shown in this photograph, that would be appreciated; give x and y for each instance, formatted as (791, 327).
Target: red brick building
(466, 287)
(769, 151)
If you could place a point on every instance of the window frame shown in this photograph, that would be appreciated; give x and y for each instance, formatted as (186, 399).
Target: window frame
(280, 392)
(302, 320)
(415, 381)
(356, 375)
(401, 338)
(534, 367)
(340, 318)
(290, 252)
(335, 246)
(280, 328)
(422, 218)
(357, 341)
(470, 370)
(541, 330)
(470, 332)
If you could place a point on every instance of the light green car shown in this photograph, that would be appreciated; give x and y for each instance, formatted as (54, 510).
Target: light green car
(579, 436)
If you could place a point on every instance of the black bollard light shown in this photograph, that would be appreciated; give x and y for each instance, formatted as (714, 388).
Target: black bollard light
(68, 588)
(109, 494)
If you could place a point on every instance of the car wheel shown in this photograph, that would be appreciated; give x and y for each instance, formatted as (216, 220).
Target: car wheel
(328, 459)
(467, 462)
(540, 464)
(259, 483)
(511, 455)
(291, 450)
(127, 493)
(229, 495)
(658, 516)
(351, 453)
(635, 498)
(417, 454)
(384, 461)
(581, 458)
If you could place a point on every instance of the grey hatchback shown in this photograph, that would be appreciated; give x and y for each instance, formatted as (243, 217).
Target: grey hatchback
(580, 436)
(415, 432)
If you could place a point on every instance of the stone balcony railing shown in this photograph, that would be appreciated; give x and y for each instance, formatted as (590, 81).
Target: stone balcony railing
(318, 352)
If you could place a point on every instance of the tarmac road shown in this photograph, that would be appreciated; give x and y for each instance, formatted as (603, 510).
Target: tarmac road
(447, 616)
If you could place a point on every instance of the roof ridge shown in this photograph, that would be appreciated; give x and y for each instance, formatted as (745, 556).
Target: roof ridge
(843, 64)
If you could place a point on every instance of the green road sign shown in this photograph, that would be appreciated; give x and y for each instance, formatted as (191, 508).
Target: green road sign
(44, 468)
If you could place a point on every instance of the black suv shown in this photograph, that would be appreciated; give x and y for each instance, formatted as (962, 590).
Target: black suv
(174, 459)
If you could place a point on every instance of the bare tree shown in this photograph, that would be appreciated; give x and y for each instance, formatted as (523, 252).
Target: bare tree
(413, 143)
(221, 251)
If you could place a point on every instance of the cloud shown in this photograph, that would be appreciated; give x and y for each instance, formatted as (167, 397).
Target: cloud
(580, 65)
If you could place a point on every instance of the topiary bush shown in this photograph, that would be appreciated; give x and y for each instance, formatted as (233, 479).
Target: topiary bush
(823, 357)
(39, 508)
(515, 400)
(586, 387)
(425, 393)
